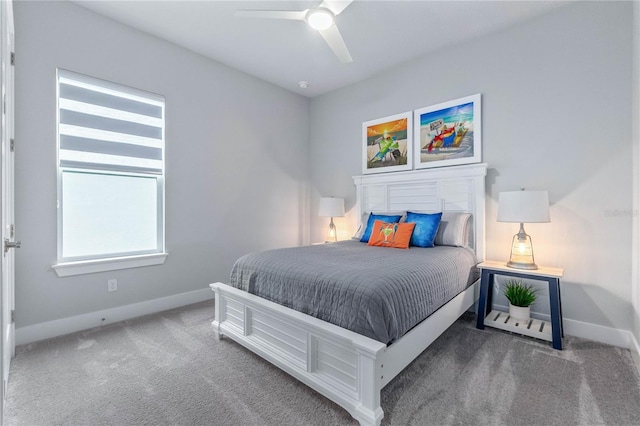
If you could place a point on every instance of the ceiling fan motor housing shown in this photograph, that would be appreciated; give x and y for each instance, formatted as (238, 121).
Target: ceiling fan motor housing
(320, 18)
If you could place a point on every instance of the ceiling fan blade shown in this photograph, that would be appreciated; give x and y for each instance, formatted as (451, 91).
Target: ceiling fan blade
(336, 6)
(273, 14)
(333, 38)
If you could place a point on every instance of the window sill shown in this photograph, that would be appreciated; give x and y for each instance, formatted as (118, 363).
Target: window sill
(67, 269)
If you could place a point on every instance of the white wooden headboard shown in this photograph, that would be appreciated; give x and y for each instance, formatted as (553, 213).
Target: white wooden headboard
(456, 189)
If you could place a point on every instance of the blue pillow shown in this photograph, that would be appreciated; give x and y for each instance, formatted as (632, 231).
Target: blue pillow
(426, 228)
(372, 218)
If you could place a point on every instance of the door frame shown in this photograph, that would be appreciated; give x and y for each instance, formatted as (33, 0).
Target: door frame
(7, 267)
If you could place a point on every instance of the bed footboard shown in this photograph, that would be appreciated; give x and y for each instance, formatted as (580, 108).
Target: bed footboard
(341, 365)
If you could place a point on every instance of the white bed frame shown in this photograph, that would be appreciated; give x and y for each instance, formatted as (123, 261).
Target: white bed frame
(346, 367)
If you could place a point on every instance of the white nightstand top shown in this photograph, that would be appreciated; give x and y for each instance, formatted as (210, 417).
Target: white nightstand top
(542, 271)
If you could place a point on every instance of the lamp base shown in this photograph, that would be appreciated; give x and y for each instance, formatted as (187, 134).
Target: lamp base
(522, 251)
(518, 265)
(332, 236)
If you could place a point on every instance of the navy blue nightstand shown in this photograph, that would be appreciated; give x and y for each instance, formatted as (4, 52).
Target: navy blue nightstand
(501, 320)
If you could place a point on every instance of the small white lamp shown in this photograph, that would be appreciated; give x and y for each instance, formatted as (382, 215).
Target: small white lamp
(331, 207)
(523, 207)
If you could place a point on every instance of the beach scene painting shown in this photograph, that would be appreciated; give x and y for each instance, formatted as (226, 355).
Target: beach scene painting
(387, 144)
(448, 133)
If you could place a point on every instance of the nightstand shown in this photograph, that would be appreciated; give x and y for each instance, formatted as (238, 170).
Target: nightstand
(535, 328)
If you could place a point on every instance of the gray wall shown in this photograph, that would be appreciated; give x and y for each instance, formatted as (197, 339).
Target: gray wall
(556, 116)
(636, 178)
(556, 106)
(236, 149)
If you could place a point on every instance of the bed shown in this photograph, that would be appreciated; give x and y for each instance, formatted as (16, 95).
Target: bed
(358, 287)
(349, 359)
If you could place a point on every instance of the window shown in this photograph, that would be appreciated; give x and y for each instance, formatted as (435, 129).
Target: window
(110, 175)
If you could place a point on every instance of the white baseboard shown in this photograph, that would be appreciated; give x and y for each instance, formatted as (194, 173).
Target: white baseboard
(46, 330)
(33, 333)
(635, 351)
(598, 333)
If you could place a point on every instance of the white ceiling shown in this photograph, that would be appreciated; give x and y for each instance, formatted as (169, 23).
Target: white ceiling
(379, 34)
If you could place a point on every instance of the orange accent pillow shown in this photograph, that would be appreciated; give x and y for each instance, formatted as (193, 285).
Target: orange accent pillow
(396, 235)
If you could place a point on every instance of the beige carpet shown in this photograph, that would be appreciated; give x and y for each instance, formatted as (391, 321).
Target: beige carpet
(166, 369)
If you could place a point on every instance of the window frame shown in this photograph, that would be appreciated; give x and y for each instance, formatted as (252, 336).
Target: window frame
(75, 265)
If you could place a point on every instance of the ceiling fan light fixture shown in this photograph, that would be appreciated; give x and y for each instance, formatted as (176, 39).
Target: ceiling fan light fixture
(320, 18)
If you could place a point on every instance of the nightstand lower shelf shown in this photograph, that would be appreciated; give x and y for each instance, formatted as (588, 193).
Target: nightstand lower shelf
(550, 275)
(532, 328)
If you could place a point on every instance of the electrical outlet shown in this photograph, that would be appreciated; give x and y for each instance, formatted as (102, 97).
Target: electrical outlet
(112, 285)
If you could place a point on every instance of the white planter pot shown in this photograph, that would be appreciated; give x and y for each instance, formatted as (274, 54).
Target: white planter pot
(519, 313)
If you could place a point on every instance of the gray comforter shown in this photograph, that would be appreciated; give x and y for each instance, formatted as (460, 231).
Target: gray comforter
(378, 292)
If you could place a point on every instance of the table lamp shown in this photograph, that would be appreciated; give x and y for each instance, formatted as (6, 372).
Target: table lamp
(523, 207)
(331, 207)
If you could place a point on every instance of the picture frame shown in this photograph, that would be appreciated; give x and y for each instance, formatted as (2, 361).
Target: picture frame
(387, 144)
(448, 133)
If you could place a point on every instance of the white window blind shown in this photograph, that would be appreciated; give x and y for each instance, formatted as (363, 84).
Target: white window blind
(110, 169)
(107, 126)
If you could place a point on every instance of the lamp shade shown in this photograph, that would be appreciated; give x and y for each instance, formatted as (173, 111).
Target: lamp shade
(331, 207)
(523, 207)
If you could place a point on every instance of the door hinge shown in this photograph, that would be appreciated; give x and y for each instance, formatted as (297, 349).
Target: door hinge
(11, 245)
(13, 315)
(12, 145)
(12, 231)
(13, 58)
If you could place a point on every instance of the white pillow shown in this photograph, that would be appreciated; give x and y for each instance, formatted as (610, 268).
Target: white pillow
(454, 229)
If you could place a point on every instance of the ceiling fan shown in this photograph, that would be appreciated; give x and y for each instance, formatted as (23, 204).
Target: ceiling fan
(321, 18)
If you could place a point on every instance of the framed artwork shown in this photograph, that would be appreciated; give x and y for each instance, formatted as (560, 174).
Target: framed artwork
(449, 133)
(387, 144)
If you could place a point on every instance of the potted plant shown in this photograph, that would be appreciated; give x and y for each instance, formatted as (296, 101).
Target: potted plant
(520, 297)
